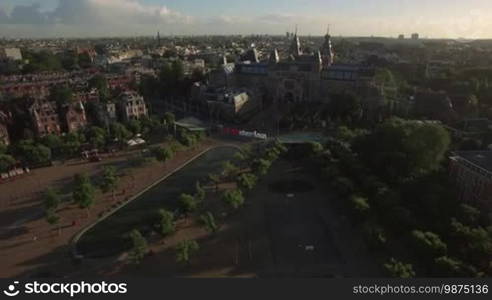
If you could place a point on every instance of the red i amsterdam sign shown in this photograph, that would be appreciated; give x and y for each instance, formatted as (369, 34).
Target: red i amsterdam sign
(237, 132)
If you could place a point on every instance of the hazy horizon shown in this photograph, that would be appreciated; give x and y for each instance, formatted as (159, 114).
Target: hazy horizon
(446, 19)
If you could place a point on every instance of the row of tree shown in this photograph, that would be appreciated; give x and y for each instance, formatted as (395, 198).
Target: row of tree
(83, 194)
(250, 165)
(42, 150)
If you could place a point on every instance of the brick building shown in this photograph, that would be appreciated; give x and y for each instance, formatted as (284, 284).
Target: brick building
(472, 172)
(45, 118)
(74, 117)
(4, 133)
(132, 106)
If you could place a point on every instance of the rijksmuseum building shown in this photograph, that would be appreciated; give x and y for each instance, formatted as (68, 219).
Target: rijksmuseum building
(299, 77)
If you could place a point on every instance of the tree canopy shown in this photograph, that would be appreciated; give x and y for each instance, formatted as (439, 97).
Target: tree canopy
(399, 148)
(166, 222)
(233, 198)
(139, 247)
(188, 203)
(185, 249)
(83, 192)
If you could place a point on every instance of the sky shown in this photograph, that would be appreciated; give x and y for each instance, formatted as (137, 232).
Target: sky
(93, 18)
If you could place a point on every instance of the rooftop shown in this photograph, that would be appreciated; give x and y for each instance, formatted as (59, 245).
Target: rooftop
(482, 159)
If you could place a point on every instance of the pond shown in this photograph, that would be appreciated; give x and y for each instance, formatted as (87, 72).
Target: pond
(108, 237)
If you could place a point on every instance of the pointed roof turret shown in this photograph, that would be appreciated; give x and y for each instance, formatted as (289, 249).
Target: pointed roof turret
(295, 47)
(327, 49)
(274, 57)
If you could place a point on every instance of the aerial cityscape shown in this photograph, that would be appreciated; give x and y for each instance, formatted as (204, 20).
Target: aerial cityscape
(267, 139)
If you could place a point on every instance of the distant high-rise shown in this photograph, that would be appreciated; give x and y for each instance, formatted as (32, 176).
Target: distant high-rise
(158, 39)
(401, 37)
(415, 36)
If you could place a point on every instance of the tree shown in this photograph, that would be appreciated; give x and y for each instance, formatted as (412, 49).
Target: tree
(186, 138)
(343, 186)
(134, 126)
(100, 83)
(469, 214)
(346, 106)
(188, 203)
(96, 136)
(208, 220)
(229, 169)
(109, 181)
(244, 156)
(100, 49)
(166, 222)
(448, 267)
(3, 147)
(149, 124)
(83, 192)
(395, 148)
(54, 142)
(199, 192)
(399, 269)
(85, 60)
(6, 162)
(62, 95)
(272, 154)
(119, 132)
(51, 199)
(33, 153)
(69, 61)
(71, 143)
(42, 61)
(53, 219)
(316, 148)
(360, 205)
(474, 242)
(186, 249)
(178, 70)
(345, 134)
(149, 86)
(429, 244)
(247, 181)
(281, 148)
(169, 120)
(375, 235)
(139, 247)
(162, 154)
(233, 198)
(216, 180)
(261, 166)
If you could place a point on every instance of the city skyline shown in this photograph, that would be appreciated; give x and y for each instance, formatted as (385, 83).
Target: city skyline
(95, 18)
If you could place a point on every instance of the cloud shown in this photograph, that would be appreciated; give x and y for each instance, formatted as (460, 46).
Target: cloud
(24, 14)
(92, 16)
(115, 11)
